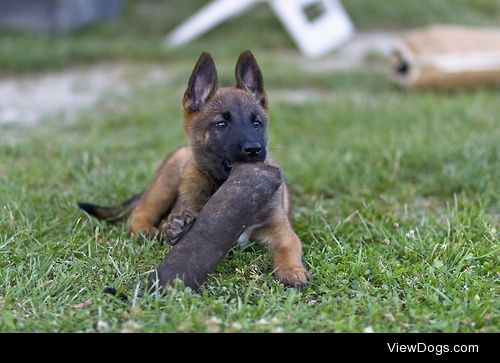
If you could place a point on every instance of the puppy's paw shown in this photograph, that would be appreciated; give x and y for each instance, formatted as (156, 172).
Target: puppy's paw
(149, 233)
(295, 276)
(146, 230)
(177, 225)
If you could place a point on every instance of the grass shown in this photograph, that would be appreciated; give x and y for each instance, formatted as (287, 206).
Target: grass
(370, 168)
(396, 199)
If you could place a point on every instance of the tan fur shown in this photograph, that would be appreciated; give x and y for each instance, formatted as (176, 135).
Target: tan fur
(159, 197)
(181, 187)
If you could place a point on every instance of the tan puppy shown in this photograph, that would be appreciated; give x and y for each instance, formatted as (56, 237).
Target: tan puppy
(224, 126)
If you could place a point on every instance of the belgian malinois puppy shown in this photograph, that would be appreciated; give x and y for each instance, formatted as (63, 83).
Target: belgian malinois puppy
(224, 126)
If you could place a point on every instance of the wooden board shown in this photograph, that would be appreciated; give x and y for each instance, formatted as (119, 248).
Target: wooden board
(447, 57)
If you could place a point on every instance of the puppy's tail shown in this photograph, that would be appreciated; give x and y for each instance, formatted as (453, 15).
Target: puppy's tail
(111, 214)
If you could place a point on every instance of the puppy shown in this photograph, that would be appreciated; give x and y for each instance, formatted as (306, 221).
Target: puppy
(224, 126)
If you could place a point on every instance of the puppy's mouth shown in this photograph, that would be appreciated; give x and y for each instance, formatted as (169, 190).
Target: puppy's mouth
(228, 166)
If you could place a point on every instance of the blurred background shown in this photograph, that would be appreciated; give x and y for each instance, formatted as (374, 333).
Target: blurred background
(114, 39)
(137, 29)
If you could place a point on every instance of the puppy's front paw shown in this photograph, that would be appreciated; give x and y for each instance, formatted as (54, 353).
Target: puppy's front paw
(295, 276)
(177, 225)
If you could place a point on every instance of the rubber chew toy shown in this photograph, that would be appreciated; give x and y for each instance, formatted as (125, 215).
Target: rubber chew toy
(223, 219)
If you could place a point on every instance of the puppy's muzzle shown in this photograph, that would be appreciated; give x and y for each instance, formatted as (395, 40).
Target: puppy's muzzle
(252, 149)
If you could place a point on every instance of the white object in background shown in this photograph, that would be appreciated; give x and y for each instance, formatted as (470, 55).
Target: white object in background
(207, 18)
(315, 37)
(330, 29)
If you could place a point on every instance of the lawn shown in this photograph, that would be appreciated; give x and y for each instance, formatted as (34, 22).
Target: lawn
(395, 193)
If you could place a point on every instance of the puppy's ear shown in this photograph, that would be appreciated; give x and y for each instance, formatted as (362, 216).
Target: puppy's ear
(202, 83)
(249, 78)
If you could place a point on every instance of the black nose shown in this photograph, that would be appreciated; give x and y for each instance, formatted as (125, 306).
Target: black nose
(252, 148)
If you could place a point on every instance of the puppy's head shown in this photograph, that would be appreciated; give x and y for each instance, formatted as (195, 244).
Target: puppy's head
(226, 125)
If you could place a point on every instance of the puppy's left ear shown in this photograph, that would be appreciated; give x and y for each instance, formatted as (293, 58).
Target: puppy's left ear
(249, 77)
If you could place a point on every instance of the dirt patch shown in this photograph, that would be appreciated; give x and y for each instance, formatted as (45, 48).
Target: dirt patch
(26, 100)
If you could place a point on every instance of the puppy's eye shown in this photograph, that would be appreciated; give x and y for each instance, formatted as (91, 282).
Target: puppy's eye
(257, 124)
(221, 124)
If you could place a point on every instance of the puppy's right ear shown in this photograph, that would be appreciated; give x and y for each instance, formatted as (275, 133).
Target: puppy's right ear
(202, 83)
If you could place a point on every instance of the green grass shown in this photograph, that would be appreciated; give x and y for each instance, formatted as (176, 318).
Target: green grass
(371, 164)
(368, 163)
(138, 34)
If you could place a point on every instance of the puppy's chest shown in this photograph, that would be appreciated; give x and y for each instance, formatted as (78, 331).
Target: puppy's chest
(244, 239)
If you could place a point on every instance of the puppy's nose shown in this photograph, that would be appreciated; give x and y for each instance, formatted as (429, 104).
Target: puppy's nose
(252, 148)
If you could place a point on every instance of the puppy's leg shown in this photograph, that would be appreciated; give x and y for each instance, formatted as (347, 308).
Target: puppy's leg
(195, 190)
(286, 248)
(161, 194)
